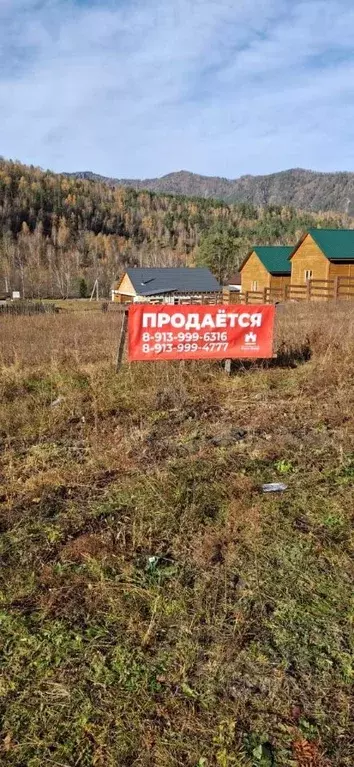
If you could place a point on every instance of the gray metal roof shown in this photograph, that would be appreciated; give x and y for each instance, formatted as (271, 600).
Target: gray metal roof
(149, 282)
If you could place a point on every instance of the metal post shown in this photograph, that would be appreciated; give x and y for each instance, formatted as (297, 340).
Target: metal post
(228, 367)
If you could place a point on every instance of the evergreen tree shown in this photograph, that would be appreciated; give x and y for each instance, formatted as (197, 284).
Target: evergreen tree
(218, 250)
(83, 288)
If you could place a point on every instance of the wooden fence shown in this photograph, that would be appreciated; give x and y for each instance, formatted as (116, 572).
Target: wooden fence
(340, 288)
(18, 308)
(184, 299)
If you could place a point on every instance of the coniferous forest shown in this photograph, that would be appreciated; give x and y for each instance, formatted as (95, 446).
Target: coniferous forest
(58, 234)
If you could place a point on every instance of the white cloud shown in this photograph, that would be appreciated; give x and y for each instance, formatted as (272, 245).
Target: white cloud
(142, 88)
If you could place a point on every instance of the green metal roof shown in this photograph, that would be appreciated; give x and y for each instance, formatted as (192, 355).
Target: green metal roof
(275, 258)
(336, 244)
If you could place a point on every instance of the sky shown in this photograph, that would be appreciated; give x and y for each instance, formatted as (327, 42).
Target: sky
(141, 88)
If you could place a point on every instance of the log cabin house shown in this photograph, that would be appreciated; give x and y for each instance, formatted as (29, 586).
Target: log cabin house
(324, 255)
(266, 268)
(165, 285)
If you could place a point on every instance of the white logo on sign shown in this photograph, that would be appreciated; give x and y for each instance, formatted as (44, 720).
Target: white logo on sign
(251, 338)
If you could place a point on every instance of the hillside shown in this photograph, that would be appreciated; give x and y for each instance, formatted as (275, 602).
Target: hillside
(299, 188)
(57, 231)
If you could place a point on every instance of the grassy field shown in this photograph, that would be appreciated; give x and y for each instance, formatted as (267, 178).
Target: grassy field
(76, 304)
(79, 304)
(156, 608)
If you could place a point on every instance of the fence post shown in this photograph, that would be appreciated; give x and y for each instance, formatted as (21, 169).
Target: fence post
(308, 290)
(265, 295)
(246, 297)
(336, 288)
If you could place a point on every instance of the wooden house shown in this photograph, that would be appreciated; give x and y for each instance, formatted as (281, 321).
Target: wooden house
(266, 267)
(165, 285)
(323, 254)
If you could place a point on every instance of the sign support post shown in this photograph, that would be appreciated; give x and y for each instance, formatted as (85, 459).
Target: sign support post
(122, 337)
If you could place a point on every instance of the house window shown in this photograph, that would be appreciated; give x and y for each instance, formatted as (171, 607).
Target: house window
(308, 274)
(254, 285)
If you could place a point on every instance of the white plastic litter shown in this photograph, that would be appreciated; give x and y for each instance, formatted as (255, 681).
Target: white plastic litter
(274, 487)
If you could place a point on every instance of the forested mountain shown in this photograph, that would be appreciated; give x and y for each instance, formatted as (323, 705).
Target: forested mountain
(299, 188)
(57, 231)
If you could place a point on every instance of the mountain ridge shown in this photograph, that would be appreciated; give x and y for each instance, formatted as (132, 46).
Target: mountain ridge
(297, 187)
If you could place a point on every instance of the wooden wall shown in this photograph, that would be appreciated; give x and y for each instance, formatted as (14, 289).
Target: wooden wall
(254, 271)
(309, 256)
(124, 288)
(279, 281)
(343, 270)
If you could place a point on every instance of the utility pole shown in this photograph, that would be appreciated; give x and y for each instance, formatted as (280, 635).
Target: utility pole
(95, 289)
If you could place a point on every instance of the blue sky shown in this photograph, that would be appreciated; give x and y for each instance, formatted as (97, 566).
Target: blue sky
(138, 88)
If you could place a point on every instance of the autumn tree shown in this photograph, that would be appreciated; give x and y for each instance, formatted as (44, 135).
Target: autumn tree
(56, 231)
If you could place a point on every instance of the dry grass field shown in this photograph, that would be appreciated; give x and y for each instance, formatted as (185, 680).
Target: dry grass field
(156, 608)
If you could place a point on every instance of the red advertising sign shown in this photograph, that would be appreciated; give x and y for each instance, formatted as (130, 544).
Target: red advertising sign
(191, 332)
